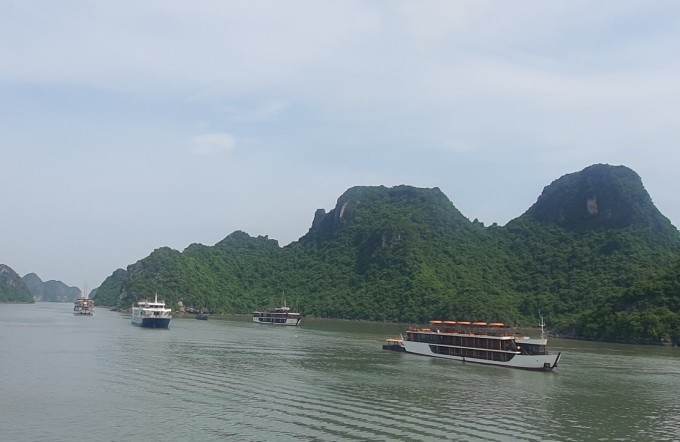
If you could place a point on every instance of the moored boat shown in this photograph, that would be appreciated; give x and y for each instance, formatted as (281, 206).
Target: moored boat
(481, 343)
(83, 307)
(393, 344)
(151, 314)
(277, 316)
(202, 316)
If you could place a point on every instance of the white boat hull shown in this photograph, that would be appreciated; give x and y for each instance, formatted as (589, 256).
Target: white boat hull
(527, 362)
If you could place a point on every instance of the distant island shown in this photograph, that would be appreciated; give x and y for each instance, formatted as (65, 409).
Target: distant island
(593, 256)
(30, 288)
(50, 291)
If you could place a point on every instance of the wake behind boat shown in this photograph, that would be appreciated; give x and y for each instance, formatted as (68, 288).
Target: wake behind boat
(481, 343)
(83, 307)
(151, 314)
(277, 316)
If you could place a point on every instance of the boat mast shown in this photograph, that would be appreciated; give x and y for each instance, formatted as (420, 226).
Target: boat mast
(542, 325)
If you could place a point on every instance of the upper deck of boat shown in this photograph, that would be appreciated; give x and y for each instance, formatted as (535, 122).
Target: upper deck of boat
(494, 330)
(279, 311)
(148, 304)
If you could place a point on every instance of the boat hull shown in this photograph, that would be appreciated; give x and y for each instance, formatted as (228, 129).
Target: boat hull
(152, 322)
(526, 362)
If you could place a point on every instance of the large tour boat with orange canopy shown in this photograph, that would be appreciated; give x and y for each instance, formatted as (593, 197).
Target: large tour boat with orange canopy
(480, 342)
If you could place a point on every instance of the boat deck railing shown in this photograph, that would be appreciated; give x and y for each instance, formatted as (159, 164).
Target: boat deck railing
(466, 328)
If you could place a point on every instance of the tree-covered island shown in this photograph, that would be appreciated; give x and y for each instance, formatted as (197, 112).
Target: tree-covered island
(593, 255)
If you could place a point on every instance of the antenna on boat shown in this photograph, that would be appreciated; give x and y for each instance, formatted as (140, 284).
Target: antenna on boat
(542, 325)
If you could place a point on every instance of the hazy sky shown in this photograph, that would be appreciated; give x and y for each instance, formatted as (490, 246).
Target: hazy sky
(130, 125)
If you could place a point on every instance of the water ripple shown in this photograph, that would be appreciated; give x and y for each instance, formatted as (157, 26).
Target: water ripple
(233, 380)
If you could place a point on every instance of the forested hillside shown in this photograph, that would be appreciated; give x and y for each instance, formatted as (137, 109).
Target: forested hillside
(593, 255)
(12, 288)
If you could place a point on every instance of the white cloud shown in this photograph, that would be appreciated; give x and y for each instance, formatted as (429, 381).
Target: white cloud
(258, 113)
(213, 144)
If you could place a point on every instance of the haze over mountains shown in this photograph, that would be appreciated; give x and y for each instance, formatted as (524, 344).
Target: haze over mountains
(31, 288)
(593, 255)
(50, 291)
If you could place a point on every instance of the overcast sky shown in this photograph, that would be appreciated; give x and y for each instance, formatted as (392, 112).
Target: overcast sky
(130, 125)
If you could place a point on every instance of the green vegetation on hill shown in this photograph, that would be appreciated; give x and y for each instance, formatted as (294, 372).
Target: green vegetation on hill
(593, 255)
(12, 288)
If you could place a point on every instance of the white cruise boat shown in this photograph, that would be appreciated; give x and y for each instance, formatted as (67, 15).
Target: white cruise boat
(83, 307)
(481, 343)
(151, 314)
(277, 316)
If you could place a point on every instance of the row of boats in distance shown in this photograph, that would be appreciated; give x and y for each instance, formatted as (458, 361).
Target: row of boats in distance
(477, 342)
(154, 314)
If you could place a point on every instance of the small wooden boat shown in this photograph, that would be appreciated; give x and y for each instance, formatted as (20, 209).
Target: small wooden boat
(393, 344)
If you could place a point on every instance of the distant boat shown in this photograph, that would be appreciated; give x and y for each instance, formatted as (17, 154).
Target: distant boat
(277, 316)
(83, 307)
(151, 314)
(202, 316)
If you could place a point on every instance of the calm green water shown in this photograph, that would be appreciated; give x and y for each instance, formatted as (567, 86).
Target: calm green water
(67, 378)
